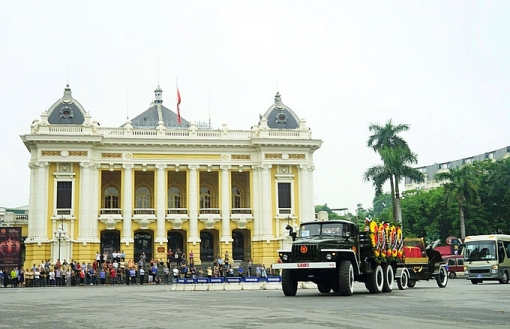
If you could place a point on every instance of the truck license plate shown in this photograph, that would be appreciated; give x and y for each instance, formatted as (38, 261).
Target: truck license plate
(479, 276)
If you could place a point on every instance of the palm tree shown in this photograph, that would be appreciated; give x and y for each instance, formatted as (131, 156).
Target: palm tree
(398, 161)
(396, 157)
(387, 136)
(395, 166)
(461, 186)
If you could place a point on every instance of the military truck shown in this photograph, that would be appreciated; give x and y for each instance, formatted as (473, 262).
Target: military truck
(334, 254)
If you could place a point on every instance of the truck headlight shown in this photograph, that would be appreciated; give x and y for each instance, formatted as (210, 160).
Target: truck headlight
(329, 257)
(285, 257)
(494, 269)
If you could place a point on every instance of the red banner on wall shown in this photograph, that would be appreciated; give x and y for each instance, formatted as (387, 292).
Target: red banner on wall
(10, 247)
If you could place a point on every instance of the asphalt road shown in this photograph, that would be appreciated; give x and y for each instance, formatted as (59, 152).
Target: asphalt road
(459, 305)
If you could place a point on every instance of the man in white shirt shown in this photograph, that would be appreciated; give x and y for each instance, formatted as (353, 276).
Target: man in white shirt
(176, 274)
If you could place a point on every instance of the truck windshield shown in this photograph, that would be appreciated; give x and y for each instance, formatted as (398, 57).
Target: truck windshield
(326, 229)
(309, 230)
(480, 250)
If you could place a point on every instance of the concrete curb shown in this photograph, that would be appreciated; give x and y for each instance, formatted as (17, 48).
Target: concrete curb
(237, 286)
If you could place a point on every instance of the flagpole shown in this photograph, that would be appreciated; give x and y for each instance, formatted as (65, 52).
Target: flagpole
(178, 102)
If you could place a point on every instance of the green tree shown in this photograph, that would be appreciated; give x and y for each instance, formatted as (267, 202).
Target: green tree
(461, 185)
(397, 158)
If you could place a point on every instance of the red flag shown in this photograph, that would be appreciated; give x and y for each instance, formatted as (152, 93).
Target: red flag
(178, 102)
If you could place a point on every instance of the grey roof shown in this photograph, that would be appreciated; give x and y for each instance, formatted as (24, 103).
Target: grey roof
(280, 116)
(151, 117)
(66, 110)
(156, 113)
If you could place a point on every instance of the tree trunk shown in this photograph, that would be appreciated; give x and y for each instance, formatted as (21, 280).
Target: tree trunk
(393, 201)
(462, 224)
(398, 210)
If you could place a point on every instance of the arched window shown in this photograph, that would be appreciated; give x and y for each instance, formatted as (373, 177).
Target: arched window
(205, 198)
(236, 197)
(111, 197)
(174, 197)
(143, 197)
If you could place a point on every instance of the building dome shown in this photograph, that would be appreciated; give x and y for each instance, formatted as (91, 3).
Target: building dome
(280, 116)
(66, 110)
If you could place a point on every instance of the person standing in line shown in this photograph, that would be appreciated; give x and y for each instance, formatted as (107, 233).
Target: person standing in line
(249, 267)
(98, 258)
(37, 278)
(102, 276)
(176, 274)
(166, 270)
(191, 261)
(169, 257)
(58, 276)
(105, 257)
(154, 272)
(132, 275)
(113, 276)
(178, 257)
(142, 275)
(68, 276)
(226, 260)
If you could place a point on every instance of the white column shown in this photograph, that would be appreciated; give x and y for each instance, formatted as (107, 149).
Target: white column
(127, 197)
(161, 204)
(225, 205)
(257, 214)
(32, 200)
(95, 192)
(306, 198)
(193, 204)
(41, 203)
(267, 231)
(84, 221)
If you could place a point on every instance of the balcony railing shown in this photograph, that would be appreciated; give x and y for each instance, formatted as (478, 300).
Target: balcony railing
(177, 211)
(144, 211)
(111, 211)
(237, 211)
(61, 212)
(209, 211)
(284, 211)
(21, 217)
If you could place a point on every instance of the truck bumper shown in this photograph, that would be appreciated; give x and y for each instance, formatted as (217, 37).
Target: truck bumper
(302, 266)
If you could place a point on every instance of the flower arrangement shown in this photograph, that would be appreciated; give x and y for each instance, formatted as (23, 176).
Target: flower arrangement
(387, 240)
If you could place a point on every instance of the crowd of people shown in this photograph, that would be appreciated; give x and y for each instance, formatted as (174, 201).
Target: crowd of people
(114, 270)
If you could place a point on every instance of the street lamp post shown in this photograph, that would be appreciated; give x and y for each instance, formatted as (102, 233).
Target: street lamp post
(59, 234)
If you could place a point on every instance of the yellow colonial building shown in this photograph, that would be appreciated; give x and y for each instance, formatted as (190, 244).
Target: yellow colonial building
(154, 183)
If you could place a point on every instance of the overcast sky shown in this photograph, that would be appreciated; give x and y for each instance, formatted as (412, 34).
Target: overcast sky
(443, 67)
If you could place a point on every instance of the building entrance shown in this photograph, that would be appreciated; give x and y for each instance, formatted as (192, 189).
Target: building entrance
(143, 245)
(110, 242)
(206, 247)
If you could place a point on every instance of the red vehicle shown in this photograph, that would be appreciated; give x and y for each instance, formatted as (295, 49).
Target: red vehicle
(455, 264)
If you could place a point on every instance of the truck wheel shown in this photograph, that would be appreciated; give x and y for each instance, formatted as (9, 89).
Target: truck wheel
(324, 288)
(375, 280)
(411, 283)
(452, 275)
(442, 277)
(346, 278)
(403, 281)
(504, 280)
(289, 283)
(389, 278)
